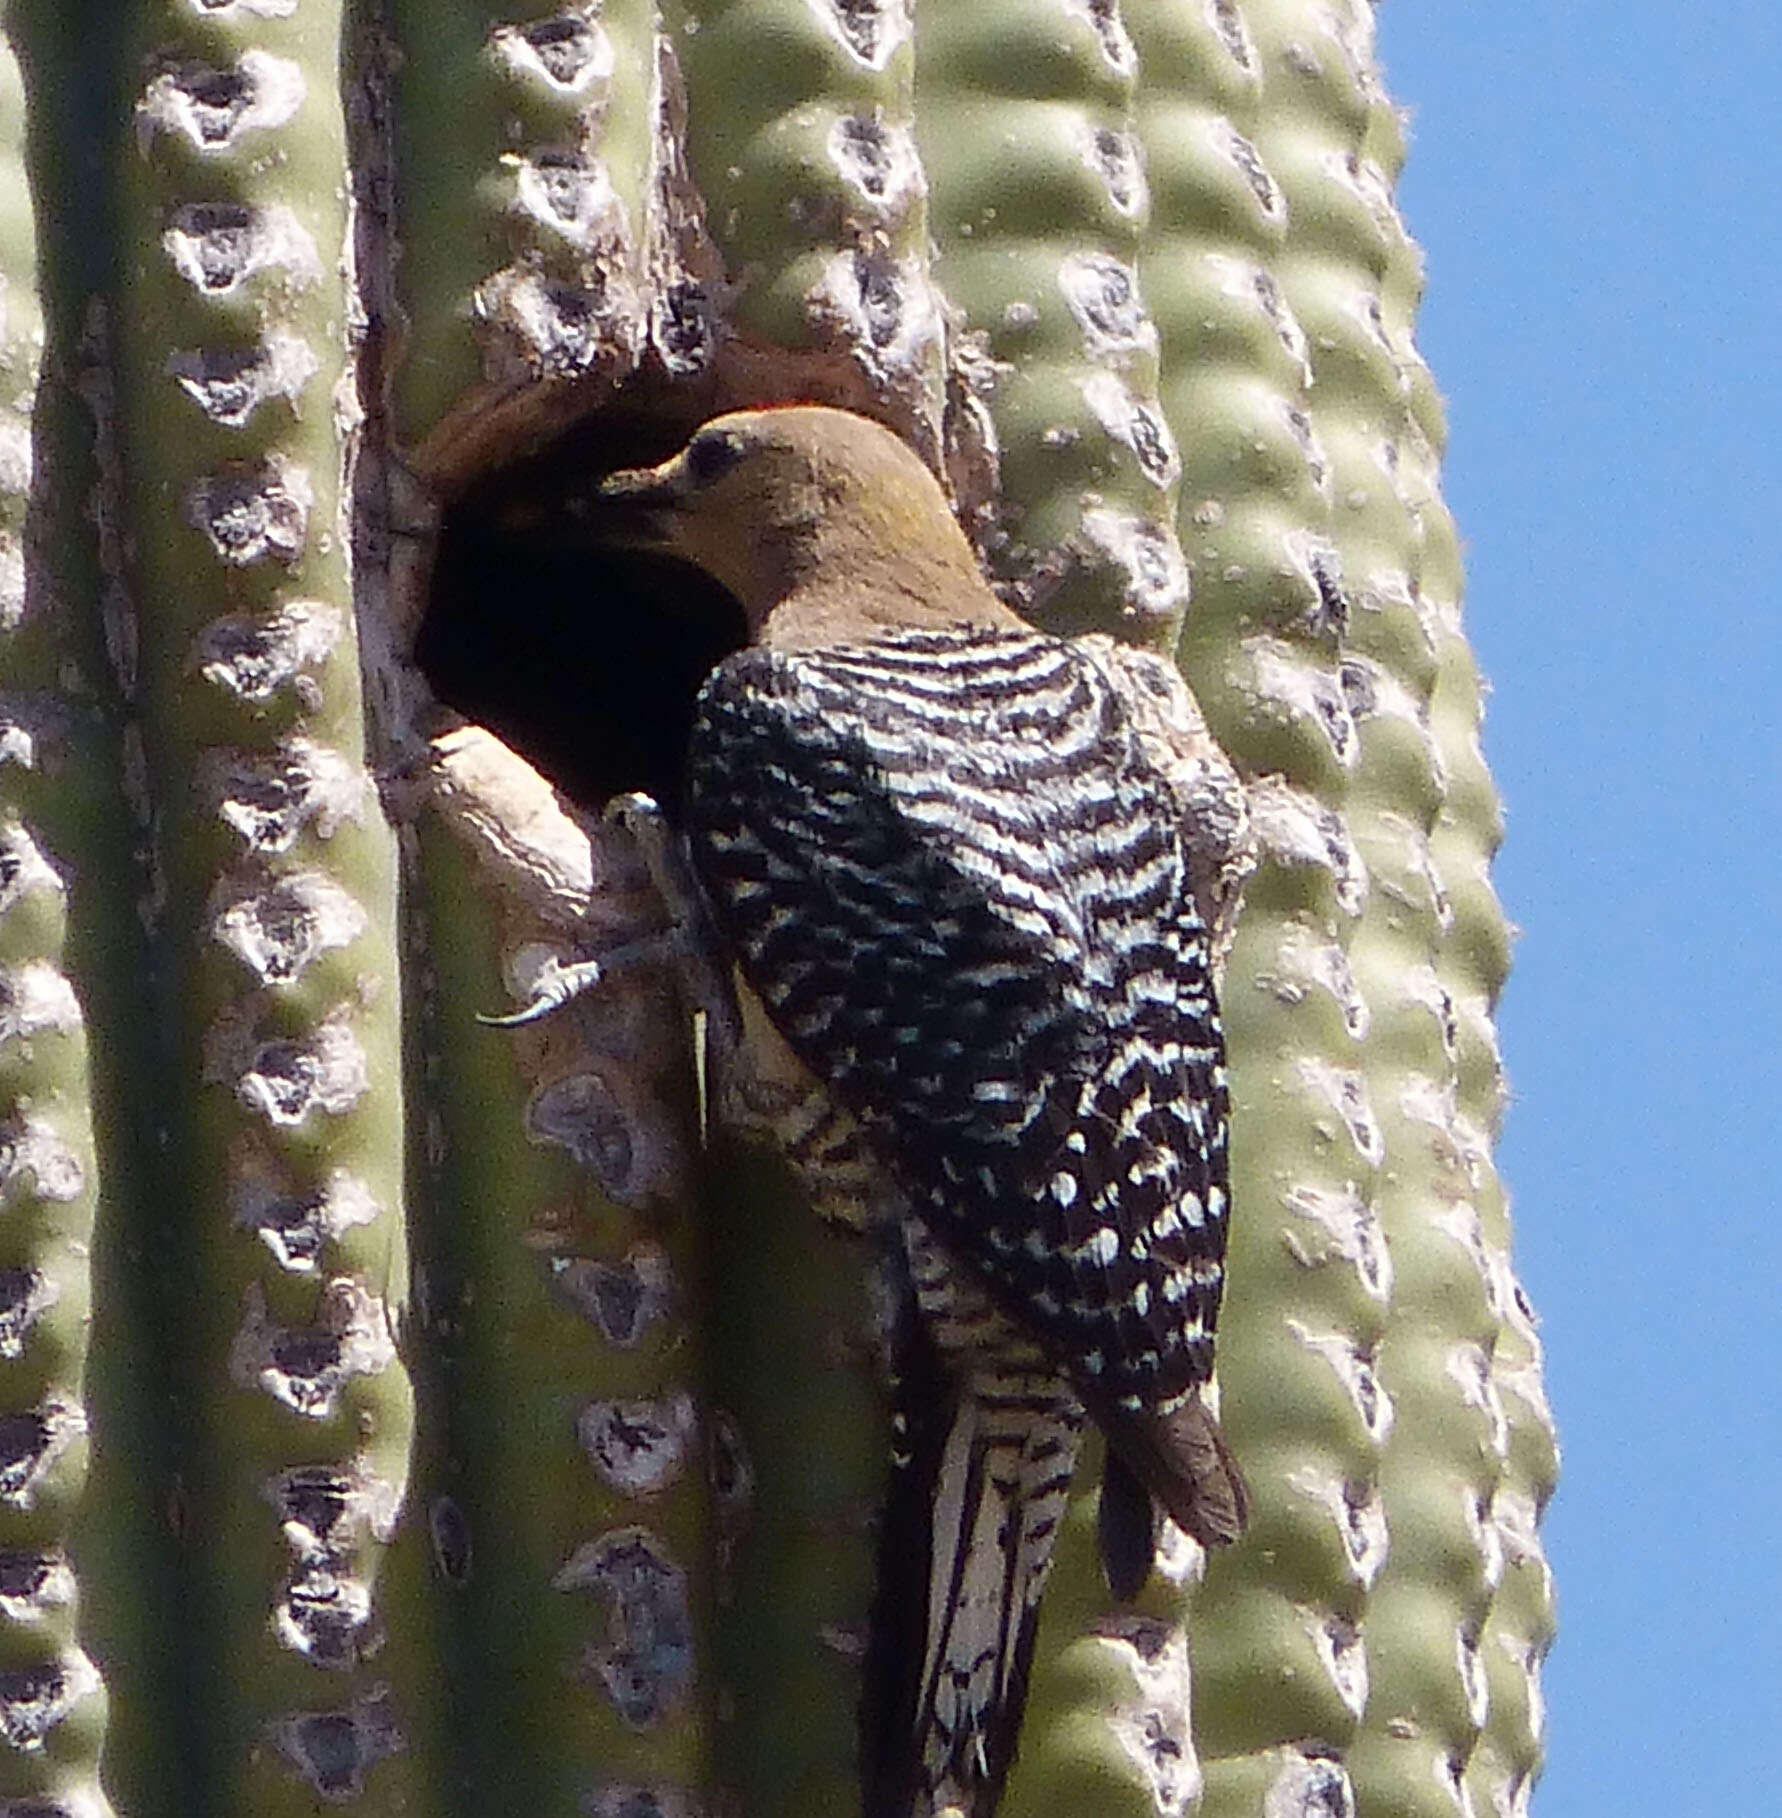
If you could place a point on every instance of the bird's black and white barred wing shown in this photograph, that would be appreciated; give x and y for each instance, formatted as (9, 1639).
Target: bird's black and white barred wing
(959, 890)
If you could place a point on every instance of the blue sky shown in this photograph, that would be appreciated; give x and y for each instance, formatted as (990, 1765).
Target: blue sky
(1597, 189)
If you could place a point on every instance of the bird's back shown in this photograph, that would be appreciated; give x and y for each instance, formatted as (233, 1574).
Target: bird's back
(958, 885)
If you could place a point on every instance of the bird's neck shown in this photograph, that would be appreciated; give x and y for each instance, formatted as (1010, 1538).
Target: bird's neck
(853, 596)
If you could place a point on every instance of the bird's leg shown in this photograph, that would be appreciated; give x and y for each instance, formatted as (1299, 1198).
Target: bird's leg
(557, 984)
(691, 939)
(688, 943)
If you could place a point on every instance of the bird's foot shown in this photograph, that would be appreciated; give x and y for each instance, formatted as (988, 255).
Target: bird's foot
(688, 944)
(557, 984)
(704, 976)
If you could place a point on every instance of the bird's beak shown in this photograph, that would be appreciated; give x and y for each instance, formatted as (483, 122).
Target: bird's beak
(631, 509)
(636, 505)
(644, 488)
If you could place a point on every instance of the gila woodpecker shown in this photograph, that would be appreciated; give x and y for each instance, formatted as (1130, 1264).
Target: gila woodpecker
(945, 853)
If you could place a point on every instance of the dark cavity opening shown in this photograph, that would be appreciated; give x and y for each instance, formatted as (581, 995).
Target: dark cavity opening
(547, 622)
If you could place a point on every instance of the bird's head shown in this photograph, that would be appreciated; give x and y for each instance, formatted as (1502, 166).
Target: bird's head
(811, 517)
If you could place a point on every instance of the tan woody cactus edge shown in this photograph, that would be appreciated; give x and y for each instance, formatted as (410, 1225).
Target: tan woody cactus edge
(404, 1416)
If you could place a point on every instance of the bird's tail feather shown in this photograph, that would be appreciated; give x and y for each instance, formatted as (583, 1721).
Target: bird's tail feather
(1126, 1526)
(1181, 1458)
(982, 1478)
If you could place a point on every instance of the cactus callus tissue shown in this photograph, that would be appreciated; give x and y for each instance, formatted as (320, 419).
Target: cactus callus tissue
(405, 1415)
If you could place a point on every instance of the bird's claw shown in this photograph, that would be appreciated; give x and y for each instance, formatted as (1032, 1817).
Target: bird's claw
(688, 942)
(557, 984)
(641, 816)
(636, 812)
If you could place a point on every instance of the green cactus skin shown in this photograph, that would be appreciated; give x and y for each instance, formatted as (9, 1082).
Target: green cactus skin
(1039, 210)
(813, 195)
(1317, 1227)
(563, 1294)
(1519, 1627)
(1404, 1626)
(797, 1584)
(273, 923)
(524, 159)
(1133, 280)
(52, 1698)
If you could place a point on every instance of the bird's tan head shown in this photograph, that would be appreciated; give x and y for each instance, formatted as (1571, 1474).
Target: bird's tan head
(824, 525)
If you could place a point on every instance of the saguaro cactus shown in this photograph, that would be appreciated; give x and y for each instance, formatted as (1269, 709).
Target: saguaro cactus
(409, 1416)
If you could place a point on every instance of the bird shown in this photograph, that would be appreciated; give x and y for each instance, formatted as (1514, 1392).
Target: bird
(943, 855)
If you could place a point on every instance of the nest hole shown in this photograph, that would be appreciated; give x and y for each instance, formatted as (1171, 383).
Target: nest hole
(549, 624)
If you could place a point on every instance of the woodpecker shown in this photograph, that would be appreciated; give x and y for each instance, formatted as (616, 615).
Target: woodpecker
(948, 856)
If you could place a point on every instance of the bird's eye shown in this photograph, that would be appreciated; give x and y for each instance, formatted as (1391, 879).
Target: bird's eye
(712, 455)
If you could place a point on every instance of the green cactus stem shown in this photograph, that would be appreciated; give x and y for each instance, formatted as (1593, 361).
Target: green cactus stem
(273, 932)
(401, 1414)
